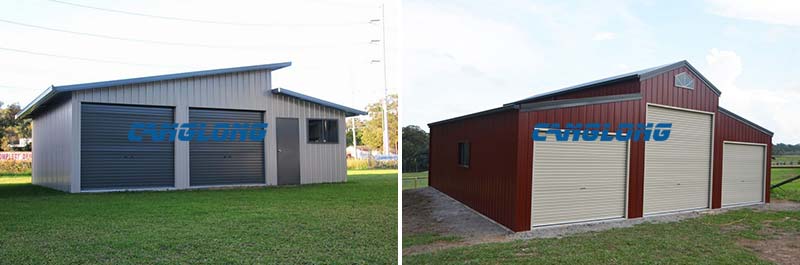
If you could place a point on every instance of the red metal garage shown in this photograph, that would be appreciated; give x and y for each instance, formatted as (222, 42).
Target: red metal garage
(486, 160)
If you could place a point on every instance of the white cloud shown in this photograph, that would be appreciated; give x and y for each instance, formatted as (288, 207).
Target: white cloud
(604, 35)
(780, 12)
(774, 109)
(453, 60)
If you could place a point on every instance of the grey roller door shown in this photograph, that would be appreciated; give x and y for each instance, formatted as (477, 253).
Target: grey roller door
(110, 161)
(742, 173)
(578, 181)
(225, 162)
(678, 170)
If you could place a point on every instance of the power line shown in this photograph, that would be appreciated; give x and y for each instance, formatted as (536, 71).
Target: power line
(83, 58)
(183, 44)
(193, 20)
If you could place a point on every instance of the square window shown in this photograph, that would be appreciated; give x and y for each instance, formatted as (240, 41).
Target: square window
(463, 154)
(323, 131)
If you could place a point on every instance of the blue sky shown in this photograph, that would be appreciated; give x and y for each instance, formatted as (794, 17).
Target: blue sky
(466, 56)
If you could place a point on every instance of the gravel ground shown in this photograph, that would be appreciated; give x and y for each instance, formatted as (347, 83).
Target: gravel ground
(427, 210)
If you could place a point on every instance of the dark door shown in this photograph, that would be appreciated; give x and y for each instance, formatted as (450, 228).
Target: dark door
(110, 161)
(288, 138)
(214, 163)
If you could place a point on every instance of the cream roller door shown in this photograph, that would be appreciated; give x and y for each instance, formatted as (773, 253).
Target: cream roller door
(678, 170)
(578, 181)
(742, 173)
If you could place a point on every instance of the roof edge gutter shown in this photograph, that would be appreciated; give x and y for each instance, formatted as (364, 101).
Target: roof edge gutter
(476, 114)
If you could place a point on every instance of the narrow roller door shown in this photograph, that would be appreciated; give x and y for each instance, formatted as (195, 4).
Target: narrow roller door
(214, 163)
(678, 170)
(110, 161)
(742, 174)
(578, 181)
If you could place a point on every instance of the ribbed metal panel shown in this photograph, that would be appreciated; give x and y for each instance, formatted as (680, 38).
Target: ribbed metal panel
(225, 162)
(742, 173)
(52, 154)
(578, 181)
(677, 171)
(110, 161)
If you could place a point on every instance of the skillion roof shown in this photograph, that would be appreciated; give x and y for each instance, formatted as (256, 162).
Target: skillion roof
(53, 91)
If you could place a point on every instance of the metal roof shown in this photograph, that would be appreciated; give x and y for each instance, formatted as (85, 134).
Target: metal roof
(349, 112)
(745, 121)
(636, 75)
(52, 91)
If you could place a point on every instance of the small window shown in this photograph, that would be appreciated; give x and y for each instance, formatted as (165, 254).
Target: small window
(323, 131)
(463, 154)
(684, 80)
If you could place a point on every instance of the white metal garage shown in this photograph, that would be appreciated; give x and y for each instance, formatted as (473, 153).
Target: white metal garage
(578, 181)
(742, 173)
(677, 172)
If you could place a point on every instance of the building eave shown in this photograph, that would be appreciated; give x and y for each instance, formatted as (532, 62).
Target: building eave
(53, 90)
(349, 112)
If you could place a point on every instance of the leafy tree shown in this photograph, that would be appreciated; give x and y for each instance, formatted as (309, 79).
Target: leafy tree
(373, 129)
(359, 131)
(11, 129)
(415, 149)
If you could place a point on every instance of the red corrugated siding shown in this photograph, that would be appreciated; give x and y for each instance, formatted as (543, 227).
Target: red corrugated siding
(626, 87)
(730, 129)
(488, 185)
(661, 89)
(614, 113)
(500, 186)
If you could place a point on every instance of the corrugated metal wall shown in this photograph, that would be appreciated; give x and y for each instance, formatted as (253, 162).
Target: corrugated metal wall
(613, 113)
(242, 91)
(730, 129)
(52, 152)
(489, 184)
(318, 162)
(626, 87)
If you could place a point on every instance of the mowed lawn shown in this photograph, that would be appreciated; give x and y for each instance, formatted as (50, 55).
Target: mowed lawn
(789, 191)
(414, 180)
(712, 239)
(344, 223)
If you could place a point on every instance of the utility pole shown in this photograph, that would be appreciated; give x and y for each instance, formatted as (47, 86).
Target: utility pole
(385, 86)
(355, 141)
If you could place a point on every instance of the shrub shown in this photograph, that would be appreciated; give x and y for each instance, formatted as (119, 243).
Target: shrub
(14, 167)
(370, 164)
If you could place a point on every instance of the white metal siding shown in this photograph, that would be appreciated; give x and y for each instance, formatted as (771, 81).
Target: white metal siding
(578, 181)
(244, 91)
(678, 170)
(319, 163)
(52, 151)
(742, 173)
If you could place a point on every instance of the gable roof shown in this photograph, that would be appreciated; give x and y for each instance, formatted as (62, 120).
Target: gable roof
(52, 91)
(349, 112)
(636, 75)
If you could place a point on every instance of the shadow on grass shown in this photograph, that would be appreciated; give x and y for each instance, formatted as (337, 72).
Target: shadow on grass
(26, 190)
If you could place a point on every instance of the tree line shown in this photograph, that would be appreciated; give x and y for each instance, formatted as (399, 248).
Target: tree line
(11, 129)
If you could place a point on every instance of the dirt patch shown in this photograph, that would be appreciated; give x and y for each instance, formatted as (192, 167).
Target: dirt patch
(780, 205)
(782, 249)
(427, 210)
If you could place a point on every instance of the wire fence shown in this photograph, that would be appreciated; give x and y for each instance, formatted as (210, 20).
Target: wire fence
(415, 182)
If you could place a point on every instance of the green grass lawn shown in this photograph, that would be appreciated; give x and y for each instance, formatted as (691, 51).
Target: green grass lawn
(706, 240)
(787, 158)
(345, 223)
(421, 180)
(790, 191)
